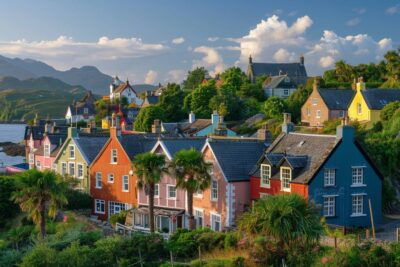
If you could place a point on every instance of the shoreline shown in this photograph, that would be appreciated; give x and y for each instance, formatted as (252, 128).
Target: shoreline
(12, 122)
(12, 149)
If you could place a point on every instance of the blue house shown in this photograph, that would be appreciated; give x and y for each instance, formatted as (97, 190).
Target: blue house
(333, 171)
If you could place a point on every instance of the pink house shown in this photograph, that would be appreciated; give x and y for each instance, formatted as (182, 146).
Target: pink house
(44, 156)
(228, 196)
(170, 202)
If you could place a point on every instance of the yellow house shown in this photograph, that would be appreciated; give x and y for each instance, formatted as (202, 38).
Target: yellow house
(367, 104)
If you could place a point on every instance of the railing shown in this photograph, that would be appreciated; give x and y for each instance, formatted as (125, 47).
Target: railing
(128, 230)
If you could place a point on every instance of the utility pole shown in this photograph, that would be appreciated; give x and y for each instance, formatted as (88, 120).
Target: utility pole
(372, 218)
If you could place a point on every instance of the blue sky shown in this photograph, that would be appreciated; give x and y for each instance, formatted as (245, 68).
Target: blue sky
(159, 41)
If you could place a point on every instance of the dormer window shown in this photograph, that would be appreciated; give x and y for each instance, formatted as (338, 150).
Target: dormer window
(286, 177)
(265, 173)
(71, 151)
(47, 150)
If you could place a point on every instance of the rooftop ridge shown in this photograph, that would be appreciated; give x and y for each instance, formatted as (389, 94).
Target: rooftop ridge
(316, 135)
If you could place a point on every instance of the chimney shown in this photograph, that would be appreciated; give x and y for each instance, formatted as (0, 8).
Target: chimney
(316, 84)
(302, 59)
(346, 133)
(156, 127)
(264, 134)
(360, 84)
(115, 130)
(72, 132)
(250, 60)
(215, 119)
(192, 117)
(287, 125)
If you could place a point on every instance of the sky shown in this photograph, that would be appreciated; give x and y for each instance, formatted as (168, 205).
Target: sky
(160, 41)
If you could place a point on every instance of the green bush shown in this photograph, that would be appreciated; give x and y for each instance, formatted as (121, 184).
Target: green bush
(74, 256)
(8, 209)
(118, 218)
(41, 255)
(89, 238)
(10, 257)
(230, 240)
(78, 200)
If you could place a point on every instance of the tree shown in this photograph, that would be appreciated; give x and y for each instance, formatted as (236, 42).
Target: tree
(40, 255)
(389, 110)
(226, 102)
(233, 77)
(274, 107)
(254, 90)
(8, 209)
(192, 174)
(149, 167)
(195, 78)
(147, 116)
(297, 100)
(199, 99)
(171, 101)
(40, 193)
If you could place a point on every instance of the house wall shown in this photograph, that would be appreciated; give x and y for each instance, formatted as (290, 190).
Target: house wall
(312, 119)
(365, 114)
(275, 188)
(344, 157)
(46, 162)
(210, 130)
(132, 97)
(241, 195)
(279, 92)
(112, 191)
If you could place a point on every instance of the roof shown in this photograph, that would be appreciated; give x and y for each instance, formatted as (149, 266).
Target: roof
(151, 100)
(278, 81)
(305, 151)
(337, 99)
(122, 88)
(236, 157)
(56, 140)
(136, 144)
(90, 146)
(175, 145)
(197, 126)
(378, 98)
(79, 109)
(37, 131)
(276, 69)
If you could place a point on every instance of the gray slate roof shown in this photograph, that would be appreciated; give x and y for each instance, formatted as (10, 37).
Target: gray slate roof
(275, 69)
(175, 145)
(90, 146)
(237, 157)
(337, 99)
(378, 98)
(136, 144)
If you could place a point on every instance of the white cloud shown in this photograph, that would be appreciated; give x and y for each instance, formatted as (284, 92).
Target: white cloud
(326, 62)
(393, 10)
(282, 55)
(66, 52)
(212, 39)
(176, 75)
(292, 13)
(353, 22)
(151, 77)
(211, 59)
(178, 40)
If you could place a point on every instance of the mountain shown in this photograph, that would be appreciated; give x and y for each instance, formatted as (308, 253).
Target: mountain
(88, 76)
(139, 88)
(22, 99)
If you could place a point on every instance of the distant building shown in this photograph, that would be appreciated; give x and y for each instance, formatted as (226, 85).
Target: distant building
(82, 110)
(150, 99)
(120, 89)
(367, 104)
(325, 104)
(280, 86)
(295, 71)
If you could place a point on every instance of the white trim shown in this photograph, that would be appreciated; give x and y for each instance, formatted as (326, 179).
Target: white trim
(158, 186)
(211, 221)
(123, 183)
(168, 197)
(69, 151)
(280, 173)
(216, 159)
(69, 169)
(212, 198)
(108, 178)
(334, 195)
(95, 206)
(164, 148)
(265, 185)
(77, 171)
(359, 194)
(101, 180)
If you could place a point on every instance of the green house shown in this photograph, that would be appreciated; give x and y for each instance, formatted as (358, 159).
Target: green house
(76, 155)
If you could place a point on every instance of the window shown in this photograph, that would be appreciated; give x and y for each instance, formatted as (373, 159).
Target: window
(357, 205)
(141, 220)
(110, 178)
(308, 112)
(341, 114)
(199, 218)
(286, 177)
(38, 165)
(156, 190)
(329, 206)
(71, 169)
(318, 114)
(314, 101)
(63, 168)
(98, 180)
(263, 195)
(47, 150)
(100, 206)
(171, 192)
(117, 207)
(85, 110)
(114, 157)
(198, 193)
(125, 183)
(54, 167)
(214, 190)
(357, 176)
(31, 158)
(329, 177)
(286, 92)
(216, 222)
(71, 151)
(265, 175)
(359, 108)
(79, 171)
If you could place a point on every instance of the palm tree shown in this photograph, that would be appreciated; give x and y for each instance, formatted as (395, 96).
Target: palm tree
(288, 219)
(40, 193)
(149, 167)
(192, 174)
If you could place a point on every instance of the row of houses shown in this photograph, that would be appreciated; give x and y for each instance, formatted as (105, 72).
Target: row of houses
(332, 171)
(361, 104)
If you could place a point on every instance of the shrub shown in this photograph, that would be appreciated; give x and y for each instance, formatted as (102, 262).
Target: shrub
(8, 209)
(118, 218)
(89, 238)
(230, 240)
(41, 255)
(78, 200)
(74, 256)
(10, 257)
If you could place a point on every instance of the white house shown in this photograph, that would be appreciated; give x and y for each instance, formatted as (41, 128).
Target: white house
(120, 89)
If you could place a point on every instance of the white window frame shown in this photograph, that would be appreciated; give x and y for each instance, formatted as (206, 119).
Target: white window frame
(359, 206)
(125, 183)
(121, 207)
(47, 148)
(329, 177)
(114, 158)
(213, 217)
(308, 112)
(329, 206)
(265, 175)
(156, 190)
(286, 92)
(102, 204)
(31, 158)
(283, 188)
(98, 178)
(314, 101)
(168, 191)
(356, 177)
(69, 169)
(85, 111)
(110, 181)
(264, 195)
(64, 168)
(38, 165)
(78, 175)
(71, 151)
(199, 213)
(214, 190)
(318, 114)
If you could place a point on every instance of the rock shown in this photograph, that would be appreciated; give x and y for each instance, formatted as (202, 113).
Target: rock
(12, 149)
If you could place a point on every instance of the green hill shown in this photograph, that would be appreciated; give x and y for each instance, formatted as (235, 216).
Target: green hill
(21, 100)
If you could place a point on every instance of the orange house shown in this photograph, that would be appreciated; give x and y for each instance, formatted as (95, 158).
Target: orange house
(112, 183)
